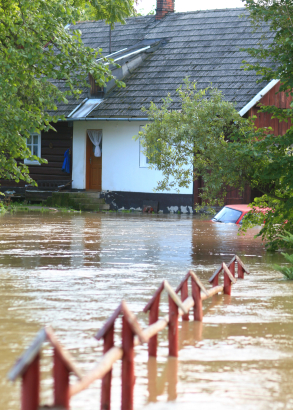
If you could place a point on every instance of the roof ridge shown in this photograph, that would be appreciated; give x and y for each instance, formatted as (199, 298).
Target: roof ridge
(206, 10)
(170, 14)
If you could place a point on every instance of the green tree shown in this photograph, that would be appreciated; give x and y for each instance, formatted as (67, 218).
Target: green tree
(111, 11)
(226, 150)
(206, 137)
(278, 14)
(276, 180)
(36, 47)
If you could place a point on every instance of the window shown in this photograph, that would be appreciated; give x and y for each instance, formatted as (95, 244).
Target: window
(227, 215)
(33, 143)
(143, 159)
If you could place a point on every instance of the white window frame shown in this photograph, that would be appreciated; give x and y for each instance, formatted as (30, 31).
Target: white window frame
(29, 162)
(143, 159)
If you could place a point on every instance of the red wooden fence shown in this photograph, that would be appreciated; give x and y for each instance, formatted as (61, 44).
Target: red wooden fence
(28, 366)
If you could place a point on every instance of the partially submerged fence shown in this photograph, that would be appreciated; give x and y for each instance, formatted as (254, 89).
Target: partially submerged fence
(28, 366)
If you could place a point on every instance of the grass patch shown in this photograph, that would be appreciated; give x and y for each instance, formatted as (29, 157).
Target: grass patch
(18, 206)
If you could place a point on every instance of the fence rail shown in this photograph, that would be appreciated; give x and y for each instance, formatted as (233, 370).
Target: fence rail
(28, 366)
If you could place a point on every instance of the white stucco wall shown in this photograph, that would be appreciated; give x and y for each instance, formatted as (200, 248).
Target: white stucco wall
(120, 158)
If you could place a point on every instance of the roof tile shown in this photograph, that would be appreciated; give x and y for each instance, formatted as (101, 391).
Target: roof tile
(204, 45)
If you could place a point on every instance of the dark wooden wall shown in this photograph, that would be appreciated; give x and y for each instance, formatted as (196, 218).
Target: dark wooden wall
(233, 197)
(53, 146)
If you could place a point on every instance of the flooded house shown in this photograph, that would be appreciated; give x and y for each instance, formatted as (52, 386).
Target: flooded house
(155, 53)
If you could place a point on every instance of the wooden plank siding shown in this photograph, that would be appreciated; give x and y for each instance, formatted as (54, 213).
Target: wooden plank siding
(53, 146)
(233, 197)
(278, 99)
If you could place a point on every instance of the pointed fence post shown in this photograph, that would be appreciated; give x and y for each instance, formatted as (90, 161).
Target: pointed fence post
(216, 281)
(130, 327)
(184, 295)
(153, 308)
(30, 390)
(127, 365)
(228, 280)
(240, 272)
(215, 278)
(241, 268)
(183, 289)
(173, 328)
(231, 265)
(197, 287)
(28, 366)
(61, 382)
(197, 310)
(107, 334)
(107, 380)
(174, 304)
(63, 366)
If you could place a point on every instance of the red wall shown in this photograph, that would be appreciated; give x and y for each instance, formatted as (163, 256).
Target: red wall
(280, 100)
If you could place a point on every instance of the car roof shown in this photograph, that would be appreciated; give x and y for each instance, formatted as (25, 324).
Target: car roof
(240, 207)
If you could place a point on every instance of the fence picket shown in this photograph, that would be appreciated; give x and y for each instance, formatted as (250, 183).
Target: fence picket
(28, 366)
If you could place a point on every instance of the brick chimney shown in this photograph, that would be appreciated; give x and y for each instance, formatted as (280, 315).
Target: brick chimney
(164, 7)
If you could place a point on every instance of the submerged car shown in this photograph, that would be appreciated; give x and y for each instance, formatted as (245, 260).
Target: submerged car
(232, 214)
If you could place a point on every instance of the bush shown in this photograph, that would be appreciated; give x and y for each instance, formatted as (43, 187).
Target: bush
(287, 271)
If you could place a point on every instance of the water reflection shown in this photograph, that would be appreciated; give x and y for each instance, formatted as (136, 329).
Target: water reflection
(72, 270)
(166, 381)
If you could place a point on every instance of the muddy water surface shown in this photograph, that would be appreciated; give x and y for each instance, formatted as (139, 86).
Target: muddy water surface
(71, 271)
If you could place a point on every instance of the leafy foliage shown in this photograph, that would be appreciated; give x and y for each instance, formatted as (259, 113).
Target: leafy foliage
(36, 48)
(279, 15)
(277, 178)
(287, 271)
(194, 141)
(111, 11)
(206, 138)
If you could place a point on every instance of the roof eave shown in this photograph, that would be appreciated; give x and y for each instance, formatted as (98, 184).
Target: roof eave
(258, 97)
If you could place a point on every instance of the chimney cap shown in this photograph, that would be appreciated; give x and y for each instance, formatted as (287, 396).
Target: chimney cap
(164, 7)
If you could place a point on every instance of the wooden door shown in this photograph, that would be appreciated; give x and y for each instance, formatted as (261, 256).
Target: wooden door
(93, 167)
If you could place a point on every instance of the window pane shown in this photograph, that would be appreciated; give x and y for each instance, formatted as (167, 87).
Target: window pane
(35, 150)
(227, 215)
(36, 139)
(29, 140)
(153, 151)
(142, 157)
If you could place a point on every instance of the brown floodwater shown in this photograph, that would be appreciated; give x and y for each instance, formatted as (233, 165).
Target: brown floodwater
(72, 270)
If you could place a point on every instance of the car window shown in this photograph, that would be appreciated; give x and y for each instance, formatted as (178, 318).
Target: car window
(242, 219)
(227, 215)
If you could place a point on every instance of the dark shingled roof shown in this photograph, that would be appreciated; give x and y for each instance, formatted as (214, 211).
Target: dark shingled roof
(203, 45)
